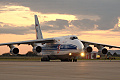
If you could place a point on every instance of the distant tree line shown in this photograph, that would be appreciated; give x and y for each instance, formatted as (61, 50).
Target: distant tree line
(29, 53)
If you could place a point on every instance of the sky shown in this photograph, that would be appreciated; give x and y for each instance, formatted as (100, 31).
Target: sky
(90, 20)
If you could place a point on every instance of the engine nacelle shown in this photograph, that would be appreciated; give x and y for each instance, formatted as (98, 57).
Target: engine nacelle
(88, 49)
(103, 50)
(37, 49)
(14, 51)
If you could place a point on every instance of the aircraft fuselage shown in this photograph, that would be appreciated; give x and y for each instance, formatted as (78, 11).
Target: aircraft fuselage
(64, 47)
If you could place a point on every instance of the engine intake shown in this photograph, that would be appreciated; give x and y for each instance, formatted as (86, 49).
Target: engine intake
(88, 49)
(104, 51)
(37, 49)
(14, 51)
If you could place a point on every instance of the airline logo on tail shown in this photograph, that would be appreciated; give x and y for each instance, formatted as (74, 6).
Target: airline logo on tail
(36, 24)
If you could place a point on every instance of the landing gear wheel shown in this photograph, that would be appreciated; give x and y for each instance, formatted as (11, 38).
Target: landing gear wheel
(70, 60)
(74, 60)
(45, 59)
(66, 60)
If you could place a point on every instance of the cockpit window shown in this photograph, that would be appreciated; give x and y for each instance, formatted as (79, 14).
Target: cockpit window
(74, 37)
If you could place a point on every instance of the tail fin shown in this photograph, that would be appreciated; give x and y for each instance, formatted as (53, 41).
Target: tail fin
(38, 30)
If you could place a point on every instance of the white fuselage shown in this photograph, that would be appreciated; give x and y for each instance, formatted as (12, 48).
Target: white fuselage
(63, 46)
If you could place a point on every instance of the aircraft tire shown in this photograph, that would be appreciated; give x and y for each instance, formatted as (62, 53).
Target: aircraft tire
(70, 60)
(74, 60)
(45, 59)
(66, 60)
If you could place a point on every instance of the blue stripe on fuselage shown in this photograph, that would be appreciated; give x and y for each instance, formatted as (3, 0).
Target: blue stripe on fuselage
(61, 47)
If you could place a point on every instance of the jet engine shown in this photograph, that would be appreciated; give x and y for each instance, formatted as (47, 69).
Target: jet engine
(103, 50)
(37, 49)
(88, 49)
(14, 51)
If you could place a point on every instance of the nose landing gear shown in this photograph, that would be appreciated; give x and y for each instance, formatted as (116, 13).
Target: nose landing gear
(74, 60)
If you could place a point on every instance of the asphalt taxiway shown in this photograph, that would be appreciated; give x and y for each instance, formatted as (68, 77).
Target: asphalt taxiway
(55, 70)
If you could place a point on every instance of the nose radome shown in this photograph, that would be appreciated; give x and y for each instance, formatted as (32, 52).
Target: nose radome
(79, 45)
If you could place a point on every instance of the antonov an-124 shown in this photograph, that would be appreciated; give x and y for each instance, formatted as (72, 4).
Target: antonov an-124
(65, 48)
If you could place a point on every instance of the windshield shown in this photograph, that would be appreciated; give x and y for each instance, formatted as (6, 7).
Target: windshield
(74, 37)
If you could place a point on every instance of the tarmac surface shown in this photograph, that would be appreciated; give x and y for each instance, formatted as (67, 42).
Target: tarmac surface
(56, 70)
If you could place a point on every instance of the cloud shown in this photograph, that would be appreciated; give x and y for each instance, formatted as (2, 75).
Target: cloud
(79, 25)
(13, 15)
(104, 12)
(84, 24)
(21, 30)
(90, 7)
(55, 25)
(107, 10)
(116, 28)
(6, 29)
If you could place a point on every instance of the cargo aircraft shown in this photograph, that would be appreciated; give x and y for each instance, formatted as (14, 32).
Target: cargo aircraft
(65, 48)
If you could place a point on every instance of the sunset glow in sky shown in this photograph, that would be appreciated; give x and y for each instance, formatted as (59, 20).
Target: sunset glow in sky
(90, 22)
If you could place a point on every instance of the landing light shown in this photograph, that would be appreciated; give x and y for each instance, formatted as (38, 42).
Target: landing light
(98, 56)
(82, 54)
(70, 54)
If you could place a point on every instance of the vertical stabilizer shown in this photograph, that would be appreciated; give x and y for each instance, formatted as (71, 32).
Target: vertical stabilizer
(38, 30)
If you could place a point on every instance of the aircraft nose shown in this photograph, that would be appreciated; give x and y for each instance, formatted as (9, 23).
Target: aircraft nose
(80, 46)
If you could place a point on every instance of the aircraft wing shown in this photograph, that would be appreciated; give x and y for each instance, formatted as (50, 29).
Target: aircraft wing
(96, 44)
(48, 40)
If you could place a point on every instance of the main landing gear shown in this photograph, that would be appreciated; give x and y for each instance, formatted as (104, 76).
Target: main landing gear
(62, 60)
(68, 60)
(45, 58)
